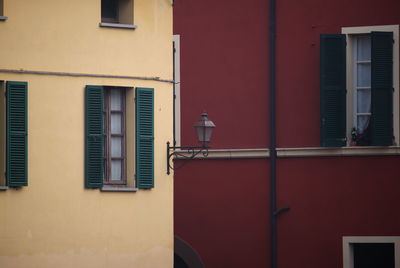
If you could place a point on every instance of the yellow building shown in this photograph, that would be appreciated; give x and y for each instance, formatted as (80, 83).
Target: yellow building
(86, 111)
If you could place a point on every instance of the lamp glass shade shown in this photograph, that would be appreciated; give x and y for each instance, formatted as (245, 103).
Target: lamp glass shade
(204, 128)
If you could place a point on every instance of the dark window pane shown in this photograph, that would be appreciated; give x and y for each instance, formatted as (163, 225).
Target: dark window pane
(373, 255)
(109, 10)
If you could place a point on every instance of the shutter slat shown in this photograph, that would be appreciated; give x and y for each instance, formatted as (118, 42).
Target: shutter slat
(333, 90)
(17, 140)
(144, 138)
(94, 138)
(382, 88)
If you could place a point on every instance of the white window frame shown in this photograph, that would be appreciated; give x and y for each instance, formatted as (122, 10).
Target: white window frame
(348, 250)
(350, 32)
(177, 86)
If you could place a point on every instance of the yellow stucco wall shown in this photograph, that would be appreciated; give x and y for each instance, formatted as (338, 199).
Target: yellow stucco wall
(55, 221)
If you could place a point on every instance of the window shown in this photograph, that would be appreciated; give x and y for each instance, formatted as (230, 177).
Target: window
(371, 251)
(361, 64)
(2, 17)
(119, 137)
(360, 87)
(116, 12)
(13, 134)
(114, 122)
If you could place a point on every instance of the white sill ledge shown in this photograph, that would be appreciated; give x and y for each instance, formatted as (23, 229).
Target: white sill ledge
(117, 25)
(3, 188)
(118, 189)
(3, 18)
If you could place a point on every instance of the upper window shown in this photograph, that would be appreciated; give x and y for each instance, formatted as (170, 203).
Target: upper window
(2, 17)
(117, 11)
(360, 86)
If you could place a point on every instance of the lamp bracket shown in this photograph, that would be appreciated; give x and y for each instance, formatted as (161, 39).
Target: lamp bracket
(183, 152)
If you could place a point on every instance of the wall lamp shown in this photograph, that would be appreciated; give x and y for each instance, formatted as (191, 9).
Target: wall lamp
(204, 128)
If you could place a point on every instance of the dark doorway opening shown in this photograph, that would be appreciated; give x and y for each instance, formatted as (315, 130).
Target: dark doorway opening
(179, 262)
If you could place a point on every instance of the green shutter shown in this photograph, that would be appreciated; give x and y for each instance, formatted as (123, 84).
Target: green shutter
(17, 132)
(333, 90)
(144, 138)
(381, 125)
(94, 137)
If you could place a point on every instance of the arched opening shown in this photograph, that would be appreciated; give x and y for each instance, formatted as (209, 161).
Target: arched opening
(185, 256)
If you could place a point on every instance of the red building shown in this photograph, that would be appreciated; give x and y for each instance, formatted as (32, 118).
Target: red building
(335, 129)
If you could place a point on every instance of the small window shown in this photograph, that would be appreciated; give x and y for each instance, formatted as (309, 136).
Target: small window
(115, 135)
(117, 11)
(2, 17)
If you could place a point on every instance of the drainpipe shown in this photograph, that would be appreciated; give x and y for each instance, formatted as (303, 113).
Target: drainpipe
(272, 126)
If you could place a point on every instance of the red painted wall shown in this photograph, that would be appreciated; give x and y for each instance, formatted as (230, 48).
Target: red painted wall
(222, 206)
(224, 64)
(331, 198)
(222, 210)
(224, 69)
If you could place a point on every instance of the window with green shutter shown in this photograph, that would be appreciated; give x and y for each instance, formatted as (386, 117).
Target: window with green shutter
(356, 73)
(17, 134)
(119, 138)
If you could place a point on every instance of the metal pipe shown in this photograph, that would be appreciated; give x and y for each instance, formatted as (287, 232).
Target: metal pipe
(21, 71)
(272, 126)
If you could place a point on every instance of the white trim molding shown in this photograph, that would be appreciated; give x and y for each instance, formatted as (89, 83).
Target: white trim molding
(340, 151)
(298, 152)
(177, 88)
(348, 241)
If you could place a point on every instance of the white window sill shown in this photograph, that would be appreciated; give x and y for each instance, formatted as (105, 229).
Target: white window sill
(117, 25)
(3, 18)
(3, 188)
(118, 189)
